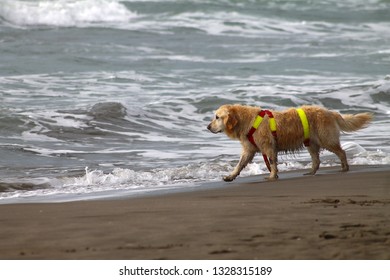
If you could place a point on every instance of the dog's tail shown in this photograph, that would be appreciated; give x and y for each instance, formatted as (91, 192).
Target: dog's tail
(349, 123)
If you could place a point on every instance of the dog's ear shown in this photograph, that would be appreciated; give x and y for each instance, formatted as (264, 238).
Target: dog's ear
(231, 120)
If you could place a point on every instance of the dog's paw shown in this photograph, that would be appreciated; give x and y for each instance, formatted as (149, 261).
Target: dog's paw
(228, 178)
(272, 178)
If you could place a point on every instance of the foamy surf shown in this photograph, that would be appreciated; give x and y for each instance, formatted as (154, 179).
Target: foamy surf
(64, 13)
(98, 183)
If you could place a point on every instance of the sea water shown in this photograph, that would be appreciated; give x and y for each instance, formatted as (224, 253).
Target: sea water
(107, 96)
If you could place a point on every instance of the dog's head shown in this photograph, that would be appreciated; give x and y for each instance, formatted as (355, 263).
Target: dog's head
(225, 120)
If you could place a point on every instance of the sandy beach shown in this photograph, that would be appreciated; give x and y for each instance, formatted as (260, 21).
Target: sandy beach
(329, 216)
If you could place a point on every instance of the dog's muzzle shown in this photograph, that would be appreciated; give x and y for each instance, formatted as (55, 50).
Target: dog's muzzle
(210, 128)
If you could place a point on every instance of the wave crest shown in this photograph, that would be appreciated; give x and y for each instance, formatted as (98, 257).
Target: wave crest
(64, 13)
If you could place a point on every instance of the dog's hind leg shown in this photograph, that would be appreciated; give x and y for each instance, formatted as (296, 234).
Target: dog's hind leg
(246, 157)
(314, 151)
(336, 149)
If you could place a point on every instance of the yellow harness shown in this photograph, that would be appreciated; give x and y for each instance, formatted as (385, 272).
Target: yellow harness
(256, 124)
(305, 125)
(272, 125)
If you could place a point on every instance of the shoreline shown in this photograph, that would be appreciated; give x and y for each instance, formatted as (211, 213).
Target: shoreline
(182, 188)
(328, 216)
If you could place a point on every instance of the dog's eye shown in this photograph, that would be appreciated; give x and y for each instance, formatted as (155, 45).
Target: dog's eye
(216, 117)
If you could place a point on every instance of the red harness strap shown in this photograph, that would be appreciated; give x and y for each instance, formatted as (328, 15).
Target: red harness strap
(256, 124)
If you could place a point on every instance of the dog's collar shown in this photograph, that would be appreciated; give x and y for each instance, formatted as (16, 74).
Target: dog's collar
(272, 124)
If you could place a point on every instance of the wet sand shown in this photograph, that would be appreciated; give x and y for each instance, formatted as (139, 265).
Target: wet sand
(328, 216)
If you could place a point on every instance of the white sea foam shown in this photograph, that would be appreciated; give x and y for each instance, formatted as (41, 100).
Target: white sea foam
(64, 12)
(113, 13)
(137, 182)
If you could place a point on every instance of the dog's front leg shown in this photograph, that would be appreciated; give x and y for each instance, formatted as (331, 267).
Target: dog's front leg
(246, 157)
(274, 168)
(273, 160)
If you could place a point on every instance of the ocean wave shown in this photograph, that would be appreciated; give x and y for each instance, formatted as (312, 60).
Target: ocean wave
(64, 13)
(108, 110)
(6, 187)
(159, 107)
(224, 18)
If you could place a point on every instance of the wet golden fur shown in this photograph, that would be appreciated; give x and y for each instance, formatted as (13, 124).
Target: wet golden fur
(325, 126)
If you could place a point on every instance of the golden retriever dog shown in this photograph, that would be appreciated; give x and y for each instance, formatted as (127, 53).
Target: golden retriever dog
(314, 126)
